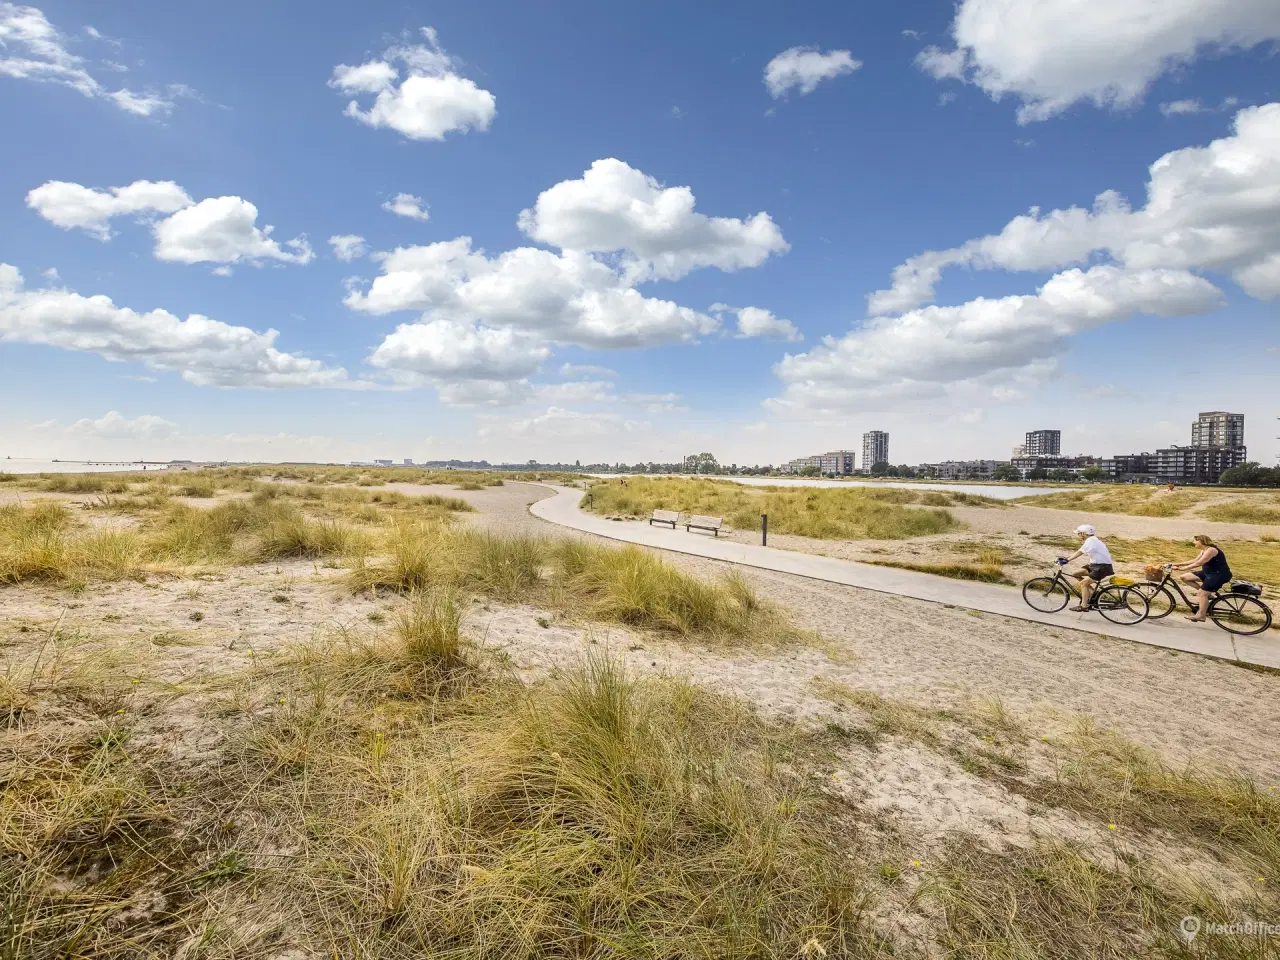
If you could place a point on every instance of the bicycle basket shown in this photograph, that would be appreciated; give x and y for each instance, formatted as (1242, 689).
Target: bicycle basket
(1247, 588)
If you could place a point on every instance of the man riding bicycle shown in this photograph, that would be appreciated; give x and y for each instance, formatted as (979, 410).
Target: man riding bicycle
(1098, 567)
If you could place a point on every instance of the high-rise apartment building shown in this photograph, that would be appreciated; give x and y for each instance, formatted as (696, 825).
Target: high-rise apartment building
(875, 448)
(1217, 428)
(1044, 443)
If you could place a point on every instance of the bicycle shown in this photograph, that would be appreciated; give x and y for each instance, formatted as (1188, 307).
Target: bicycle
(1116, 601)
(1238, 611)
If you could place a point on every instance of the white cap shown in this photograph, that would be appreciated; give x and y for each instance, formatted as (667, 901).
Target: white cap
(1086, 529)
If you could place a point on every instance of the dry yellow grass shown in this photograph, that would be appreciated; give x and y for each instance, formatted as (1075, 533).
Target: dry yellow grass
(622, 585)
(843, 514)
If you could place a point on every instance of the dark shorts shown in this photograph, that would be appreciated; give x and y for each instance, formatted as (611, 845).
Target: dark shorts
(1214, 581)
(1099, 570)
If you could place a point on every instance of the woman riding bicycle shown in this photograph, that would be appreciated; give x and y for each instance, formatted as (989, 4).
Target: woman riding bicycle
(1210, 574)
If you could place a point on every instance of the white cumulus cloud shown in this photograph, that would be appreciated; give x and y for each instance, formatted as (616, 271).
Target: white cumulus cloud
(1215, 207)
(566, 297)
(223, 230)
(206, 352)
(407, 205)
(1050, 54)
(449, 350)
(616, 208)
(803, 68)
(759, 322)
(417, 91)
(495, 319)
(31, 48)
(220, 230)
(997, 343)
(72, 206)
(348, 246)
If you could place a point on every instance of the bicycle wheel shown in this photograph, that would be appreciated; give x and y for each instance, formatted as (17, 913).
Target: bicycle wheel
(1159, 599)
(1240, 614)
(1122, 605)
(1046, 594)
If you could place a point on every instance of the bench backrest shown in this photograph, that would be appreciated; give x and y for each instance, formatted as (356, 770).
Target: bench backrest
(670, 516)
(710, 522)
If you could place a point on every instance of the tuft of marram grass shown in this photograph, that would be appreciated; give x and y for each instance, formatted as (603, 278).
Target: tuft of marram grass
(594, 815)
(624, 585)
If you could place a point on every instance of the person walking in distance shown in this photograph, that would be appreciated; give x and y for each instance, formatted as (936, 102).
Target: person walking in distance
(1209, 574)
(1099, 564)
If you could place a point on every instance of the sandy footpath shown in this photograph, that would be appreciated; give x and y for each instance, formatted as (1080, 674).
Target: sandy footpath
(1185, 706)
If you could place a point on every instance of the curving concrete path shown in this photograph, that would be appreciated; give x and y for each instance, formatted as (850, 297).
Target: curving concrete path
(1173, 633)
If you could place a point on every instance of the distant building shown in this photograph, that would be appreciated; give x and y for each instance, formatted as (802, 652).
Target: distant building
(842, 463)
(1128, 466)
(408, 462)
(384, 463)
(1072, 464)
(1196, 464)
(875, 448)
(959, 469)
(1020, 450)
(1217, 428)
(1044, 443)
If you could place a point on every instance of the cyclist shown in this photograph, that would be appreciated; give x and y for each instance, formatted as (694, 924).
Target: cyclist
(1099, 566)
(1210, 574)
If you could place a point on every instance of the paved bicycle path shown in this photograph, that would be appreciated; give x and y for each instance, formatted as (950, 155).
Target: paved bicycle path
(1173, 633)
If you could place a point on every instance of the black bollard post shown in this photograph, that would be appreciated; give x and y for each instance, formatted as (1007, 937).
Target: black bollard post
(764, 529)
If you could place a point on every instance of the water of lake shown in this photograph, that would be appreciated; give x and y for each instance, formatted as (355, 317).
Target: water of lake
(21, 465)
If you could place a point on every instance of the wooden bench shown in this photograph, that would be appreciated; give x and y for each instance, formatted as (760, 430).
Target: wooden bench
(704, 523)
(665, 516)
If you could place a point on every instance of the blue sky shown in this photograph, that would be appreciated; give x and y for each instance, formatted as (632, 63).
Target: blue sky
(711, 192)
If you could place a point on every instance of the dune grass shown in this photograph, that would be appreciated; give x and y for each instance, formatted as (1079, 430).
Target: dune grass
(396, 793)
(386, 797)
(44, 542)
(1148, 500)
(1242, 512)
(612, 584)
(41, 542)
(844, 514)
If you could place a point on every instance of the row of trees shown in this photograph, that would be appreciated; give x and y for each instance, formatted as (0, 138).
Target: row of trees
(1250, 475)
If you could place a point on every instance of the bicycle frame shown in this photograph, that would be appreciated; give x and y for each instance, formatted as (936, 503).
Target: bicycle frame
(1171, 581)
(1070, 582)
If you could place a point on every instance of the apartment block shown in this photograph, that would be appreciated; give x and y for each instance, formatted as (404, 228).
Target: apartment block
(1044, 443)
(1196, 464)
(1217, 428)
(875, 448)
(959, 469)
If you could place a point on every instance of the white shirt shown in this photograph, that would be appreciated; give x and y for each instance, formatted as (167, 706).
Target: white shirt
(1096, 551)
